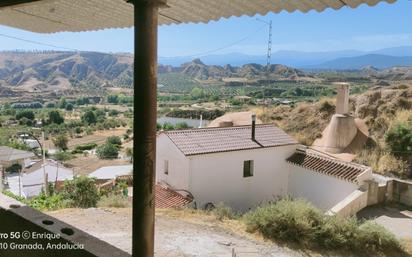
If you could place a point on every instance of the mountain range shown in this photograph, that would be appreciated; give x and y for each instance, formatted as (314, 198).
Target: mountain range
(382, 58)
(53, 72)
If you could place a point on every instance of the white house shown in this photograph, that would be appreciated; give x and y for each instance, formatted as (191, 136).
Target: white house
(33, 180)
(111, 172)
(245, 166)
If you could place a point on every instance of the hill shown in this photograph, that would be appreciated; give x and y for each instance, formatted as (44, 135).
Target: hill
(358, 62)
(49, 71)
(62, 71)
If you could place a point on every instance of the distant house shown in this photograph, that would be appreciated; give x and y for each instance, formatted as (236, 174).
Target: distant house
(228, 165)
(10, 156)
(33, 179)
(111, 172)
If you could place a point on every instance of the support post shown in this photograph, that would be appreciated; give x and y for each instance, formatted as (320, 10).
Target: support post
(144, 125)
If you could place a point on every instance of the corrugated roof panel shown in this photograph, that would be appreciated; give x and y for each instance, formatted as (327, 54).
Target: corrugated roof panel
(49, 16)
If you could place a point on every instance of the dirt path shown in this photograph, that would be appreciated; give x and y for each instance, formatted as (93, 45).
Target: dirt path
(174, 236)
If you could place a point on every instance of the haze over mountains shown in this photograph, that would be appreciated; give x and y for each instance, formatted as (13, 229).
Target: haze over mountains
(346, 59)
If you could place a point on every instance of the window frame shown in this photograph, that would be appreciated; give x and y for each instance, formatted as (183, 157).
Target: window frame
(248, 168)
(166, 167)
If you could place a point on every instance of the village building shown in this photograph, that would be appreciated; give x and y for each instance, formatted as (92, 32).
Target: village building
(107, 173)
(33, 179)
(245, 166)
(9, 157)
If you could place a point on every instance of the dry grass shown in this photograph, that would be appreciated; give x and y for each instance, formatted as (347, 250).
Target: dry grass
(408, 245)
(305, 122)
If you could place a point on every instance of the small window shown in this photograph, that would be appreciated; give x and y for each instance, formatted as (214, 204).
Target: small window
(166, 167)
(247, 168)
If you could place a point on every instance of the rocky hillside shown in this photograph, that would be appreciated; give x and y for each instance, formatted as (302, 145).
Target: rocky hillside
(59, 70)
(50, 71)
(380, 107)
(198, 70)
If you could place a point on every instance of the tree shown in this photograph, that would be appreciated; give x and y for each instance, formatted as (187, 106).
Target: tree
(181, 125)
(25, 114)
(89, 117)
(61, 142)
(399, 139)
(107, 151)
(129, 153)
(55, 117)
(114, 140)
(113, 99)
(62, 156)
(69, 107)
(81, 192)
(196, 93)
(14, 168)
(62, 103)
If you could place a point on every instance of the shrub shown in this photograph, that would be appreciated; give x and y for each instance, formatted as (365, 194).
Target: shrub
(85, 147)
(63, 156)
(114, 140)
(25, 114)
(69, 107)
(107, 151)
(89, 117)
(336, 233)
(222, 211)
(299, 222)
(55, 117)
(181, 125)
(390, 164)
(81, 192)
(399, 139)
(114, 201)
(372, 237)
(43, 202)
(16, 167)
(285, 220)
(61, 142)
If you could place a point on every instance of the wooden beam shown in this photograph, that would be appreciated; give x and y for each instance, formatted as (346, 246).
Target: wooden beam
(9, 3)
(144, 125)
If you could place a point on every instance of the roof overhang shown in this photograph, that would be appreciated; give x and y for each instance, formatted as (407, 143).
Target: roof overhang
(49, 16)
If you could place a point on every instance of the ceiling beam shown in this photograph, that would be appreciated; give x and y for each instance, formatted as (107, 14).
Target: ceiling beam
(9, 3)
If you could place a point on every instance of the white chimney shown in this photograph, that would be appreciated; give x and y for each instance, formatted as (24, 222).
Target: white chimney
(253, 126)
(342, 103)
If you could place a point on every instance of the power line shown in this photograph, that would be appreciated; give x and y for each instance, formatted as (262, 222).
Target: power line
(220, 48)
(129, 56)
(38, 43)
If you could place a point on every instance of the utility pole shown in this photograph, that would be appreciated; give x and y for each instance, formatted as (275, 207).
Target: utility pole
(268, 57)
(46, 184)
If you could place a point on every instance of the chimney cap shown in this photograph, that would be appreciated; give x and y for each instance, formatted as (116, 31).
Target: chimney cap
(253, 117)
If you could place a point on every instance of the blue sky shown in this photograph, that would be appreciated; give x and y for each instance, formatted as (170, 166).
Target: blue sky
(364, 28)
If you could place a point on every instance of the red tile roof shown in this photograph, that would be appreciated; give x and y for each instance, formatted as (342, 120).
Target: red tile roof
(168, 198)
(224, 139)
(308, 159)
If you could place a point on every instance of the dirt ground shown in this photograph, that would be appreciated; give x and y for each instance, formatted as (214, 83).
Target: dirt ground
(175, 235)
(98, 137)
(83, 165)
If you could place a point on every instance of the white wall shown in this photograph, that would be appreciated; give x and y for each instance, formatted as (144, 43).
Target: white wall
(218, 177)
(321, 190)
(178, 176)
